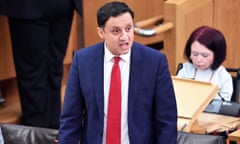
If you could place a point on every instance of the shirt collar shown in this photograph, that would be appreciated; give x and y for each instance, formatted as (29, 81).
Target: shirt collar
(109, 55)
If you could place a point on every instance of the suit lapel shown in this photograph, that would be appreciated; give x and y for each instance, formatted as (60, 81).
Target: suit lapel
(97, 70)
(135, 77)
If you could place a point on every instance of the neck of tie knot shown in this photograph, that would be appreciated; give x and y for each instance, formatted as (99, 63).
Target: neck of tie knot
(116, 60)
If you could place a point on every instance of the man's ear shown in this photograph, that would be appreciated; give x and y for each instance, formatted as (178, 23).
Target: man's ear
(100, 32)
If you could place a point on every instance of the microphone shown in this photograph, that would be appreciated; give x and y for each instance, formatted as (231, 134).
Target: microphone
(179, 67)
(2, 100)
(222, 98)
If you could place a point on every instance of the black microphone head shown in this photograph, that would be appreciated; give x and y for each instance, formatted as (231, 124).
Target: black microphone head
(222, 98)
(179, 67)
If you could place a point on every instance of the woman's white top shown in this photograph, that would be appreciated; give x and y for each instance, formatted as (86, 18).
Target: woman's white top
(220, 77)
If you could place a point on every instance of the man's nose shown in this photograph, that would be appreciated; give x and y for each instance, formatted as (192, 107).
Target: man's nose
(124, 35)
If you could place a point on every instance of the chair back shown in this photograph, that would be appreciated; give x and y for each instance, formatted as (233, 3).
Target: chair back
(235, 72)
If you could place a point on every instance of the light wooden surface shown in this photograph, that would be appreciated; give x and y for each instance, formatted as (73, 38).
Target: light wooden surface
(209, 123)
(75, 38)
(192, 98)
(226, 18)
(235, 136)
(10, 112)
(7, 69)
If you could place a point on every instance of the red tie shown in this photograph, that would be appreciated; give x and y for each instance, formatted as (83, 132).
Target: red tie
(114, 106)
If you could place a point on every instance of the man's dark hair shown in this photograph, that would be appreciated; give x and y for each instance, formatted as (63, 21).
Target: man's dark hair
(112, 9)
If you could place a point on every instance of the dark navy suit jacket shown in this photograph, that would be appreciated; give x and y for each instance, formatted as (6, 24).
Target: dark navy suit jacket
(152, 112)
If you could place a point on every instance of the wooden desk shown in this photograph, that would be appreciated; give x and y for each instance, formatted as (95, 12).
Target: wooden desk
(208, 123)
(192, 98)
(235, 136)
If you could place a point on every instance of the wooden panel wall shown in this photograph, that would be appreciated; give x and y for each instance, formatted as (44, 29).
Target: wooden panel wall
(227, 19)
(76, 38)
(7, 69)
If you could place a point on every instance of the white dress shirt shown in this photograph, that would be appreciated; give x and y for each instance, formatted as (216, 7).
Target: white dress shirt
(124, 65)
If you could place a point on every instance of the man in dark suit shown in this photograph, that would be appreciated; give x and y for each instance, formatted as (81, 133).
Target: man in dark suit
(148, 105)
(39, 32)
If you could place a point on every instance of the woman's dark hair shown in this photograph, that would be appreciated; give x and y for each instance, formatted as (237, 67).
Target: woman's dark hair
(112, 9)
(212, 39)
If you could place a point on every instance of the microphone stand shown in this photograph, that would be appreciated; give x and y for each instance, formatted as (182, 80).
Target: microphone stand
(2, 100)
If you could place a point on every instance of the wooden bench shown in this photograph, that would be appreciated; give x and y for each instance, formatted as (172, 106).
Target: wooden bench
(234, 136)
(10, 112)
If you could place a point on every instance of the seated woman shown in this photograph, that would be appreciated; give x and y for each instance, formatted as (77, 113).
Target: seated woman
(205, 52)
